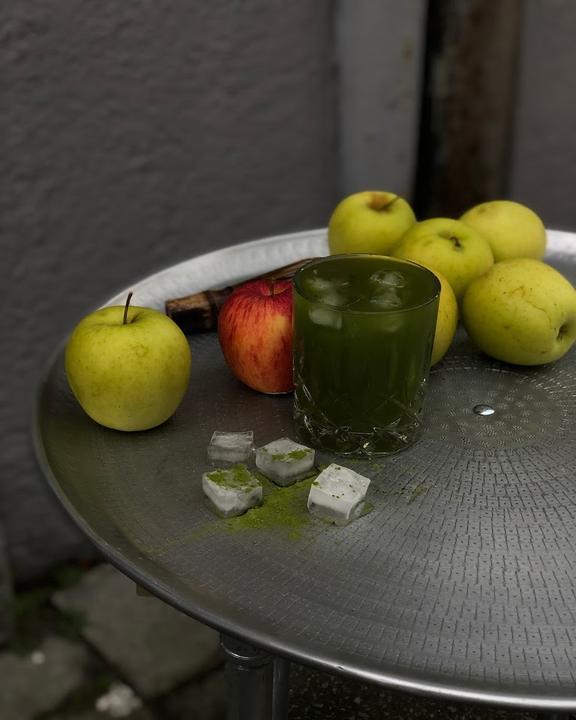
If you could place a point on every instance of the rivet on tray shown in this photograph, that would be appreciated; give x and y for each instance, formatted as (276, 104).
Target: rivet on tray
(483, 410)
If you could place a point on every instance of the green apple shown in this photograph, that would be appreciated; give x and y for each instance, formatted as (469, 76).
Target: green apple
(372, 221)
(521, 311)
(128, 367)
(453, 249)
(447, 320)
(512, 229)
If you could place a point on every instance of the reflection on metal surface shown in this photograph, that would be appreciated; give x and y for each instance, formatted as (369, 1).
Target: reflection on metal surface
(484, 410)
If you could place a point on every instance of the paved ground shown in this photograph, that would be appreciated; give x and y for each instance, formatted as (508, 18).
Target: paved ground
(87, 646)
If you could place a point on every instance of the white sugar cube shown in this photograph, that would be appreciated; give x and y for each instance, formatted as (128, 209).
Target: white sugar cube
(285, 461)
(338, 494)
(230, 447)
(232, 491)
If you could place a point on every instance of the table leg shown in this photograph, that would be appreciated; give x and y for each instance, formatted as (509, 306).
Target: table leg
(257, 682)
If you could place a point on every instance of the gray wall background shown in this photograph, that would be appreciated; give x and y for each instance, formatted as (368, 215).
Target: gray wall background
(136, 134)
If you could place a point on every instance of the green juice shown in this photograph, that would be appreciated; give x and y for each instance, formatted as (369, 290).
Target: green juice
(363, 333)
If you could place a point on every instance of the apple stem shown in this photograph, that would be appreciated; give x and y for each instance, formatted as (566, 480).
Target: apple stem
(380, 205)
(456, 242)
(125, 319)
(392, 202)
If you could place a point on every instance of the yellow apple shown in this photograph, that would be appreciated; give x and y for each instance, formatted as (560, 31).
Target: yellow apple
(128, 367)
(447, 320)
(449, 247)
(522, 311)
(372, 221)
(512, 229)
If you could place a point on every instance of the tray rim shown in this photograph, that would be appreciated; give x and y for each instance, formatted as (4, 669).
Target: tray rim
(557, 241)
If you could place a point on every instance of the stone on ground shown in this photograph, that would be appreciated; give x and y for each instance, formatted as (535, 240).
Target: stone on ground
(40, 682)
(154, 647)
(204, 699)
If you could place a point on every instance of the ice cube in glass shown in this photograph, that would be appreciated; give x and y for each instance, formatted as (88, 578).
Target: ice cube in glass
(388, 278)
(319, 286)
(326, 317)
(338, 494)
(230, 447)
(332, 291)
(386, 298)
(232, 491)
(284, 461)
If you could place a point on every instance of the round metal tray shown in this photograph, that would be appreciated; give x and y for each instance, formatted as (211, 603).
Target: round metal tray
(460, 583)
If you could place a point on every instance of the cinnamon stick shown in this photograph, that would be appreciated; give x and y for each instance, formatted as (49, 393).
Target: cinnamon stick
(199, 312)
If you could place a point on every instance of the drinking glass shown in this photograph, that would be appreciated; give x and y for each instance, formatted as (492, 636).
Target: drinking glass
(363, 334)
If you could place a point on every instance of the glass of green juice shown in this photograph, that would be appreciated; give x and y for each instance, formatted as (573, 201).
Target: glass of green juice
(363, 334)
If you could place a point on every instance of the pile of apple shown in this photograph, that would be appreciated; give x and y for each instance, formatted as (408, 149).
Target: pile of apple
(514, 307)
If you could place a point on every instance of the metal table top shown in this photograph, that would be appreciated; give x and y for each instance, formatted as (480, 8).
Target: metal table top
(460, 583)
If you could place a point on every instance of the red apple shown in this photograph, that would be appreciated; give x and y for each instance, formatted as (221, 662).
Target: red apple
(255, 333)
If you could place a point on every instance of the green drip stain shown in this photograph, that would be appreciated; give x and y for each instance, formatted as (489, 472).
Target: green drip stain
(368, 507)
(283, 508)
(419, 490)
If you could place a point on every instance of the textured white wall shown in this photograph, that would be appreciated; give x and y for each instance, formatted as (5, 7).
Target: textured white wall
(135, 134)
(543, 170)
